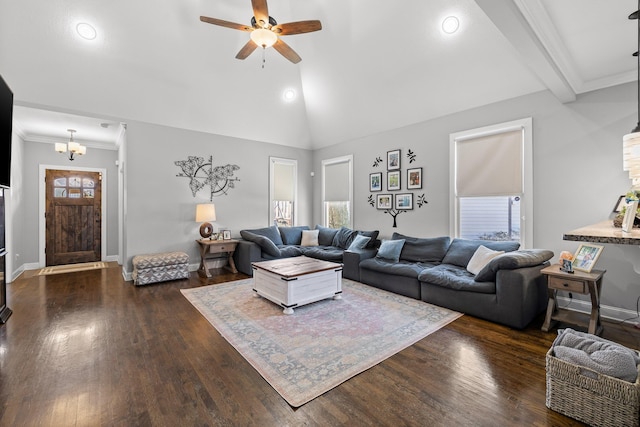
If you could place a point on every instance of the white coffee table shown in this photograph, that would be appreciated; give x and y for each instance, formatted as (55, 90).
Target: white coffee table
(292, 282)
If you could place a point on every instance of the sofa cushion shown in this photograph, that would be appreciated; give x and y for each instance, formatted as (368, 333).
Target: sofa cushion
(343, 237)
(400, 268)
(480, 258)
(292, 235)
(325, 235)
(461, 250)
(390, 250)
(423, 250)
(326, 253)
(265, 243)
(309, 238)
(272, 233)
(359, 242)
(288, 251)
(456, 278)
(513, 260)
(372, 235)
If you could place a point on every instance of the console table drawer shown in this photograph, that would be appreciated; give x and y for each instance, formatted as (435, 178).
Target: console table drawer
(225, 248)
(568, 285)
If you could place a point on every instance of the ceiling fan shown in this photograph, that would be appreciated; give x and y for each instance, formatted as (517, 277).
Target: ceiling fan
(265, 31)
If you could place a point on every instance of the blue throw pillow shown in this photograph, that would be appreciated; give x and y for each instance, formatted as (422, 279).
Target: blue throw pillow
(343, 238)
(326, 235)
(359, 242)
(292, 235)
(390, 250)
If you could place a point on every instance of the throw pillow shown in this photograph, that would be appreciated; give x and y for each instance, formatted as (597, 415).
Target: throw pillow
(359, 242)
(310, 237)
(480, 258)
(372, 235)
(512, 260)
(265, 243)
(461, 250)
(343, 238)
(390, 250)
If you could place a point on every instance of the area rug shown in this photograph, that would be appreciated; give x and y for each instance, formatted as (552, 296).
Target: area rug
(321, 345)
(71, 268)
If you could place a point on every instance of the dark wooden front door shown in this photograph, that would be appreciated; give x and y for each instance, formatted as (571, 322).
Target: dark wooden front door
(73, 216)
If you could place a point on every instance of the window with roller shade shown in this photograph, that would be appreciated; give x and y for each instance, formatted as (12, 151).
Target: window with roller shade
(491, 181)
(282, 191)
(337, 191)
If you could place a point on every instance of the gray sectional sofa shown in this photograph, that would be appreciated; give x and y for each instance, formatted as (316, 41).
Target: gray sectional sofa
(509, 289)
(269, 243)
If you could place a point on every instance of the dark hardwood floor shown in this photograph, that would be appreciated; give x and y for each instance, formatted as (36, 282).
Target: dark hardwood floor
(88, 349)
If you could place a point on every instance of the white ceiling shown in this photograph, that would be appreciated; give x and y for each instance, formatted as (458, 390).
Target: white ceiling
(374, 66)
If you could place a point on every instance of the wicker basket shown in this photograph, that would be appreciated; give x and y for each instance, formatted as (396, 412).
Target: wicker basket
(591, 397)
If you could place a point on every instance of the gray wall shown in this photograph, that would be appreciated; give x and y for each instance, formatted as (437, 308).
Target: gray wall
(36, 154)
(160, 213)
(577, 175)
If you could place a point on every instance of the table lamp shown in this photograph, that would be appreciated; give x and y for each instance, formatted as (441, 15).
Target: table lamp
(206, 212)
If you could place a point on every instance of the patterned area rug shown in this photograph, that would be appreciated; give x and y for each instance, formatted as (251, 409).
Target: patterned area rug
(71, 268)
(322, 344)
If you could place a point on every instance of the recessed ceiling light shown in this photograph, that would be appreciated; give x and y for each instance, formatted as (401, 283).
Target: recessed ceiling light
(450, 24)
(86, 31)
(289, 95)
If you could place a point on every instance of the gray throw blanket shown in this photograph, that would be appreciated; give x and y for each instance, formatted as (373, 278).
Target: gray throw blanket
(597, 354)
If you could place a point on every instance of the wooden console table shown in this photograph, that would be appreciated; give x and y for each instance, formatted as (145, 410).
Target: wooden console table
(579, 282)
(211, 249)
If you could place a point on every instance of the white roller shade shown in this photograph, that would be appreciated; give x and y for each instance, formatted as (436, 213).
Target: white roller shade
(283, 185)
(336, 182)
(490, 165)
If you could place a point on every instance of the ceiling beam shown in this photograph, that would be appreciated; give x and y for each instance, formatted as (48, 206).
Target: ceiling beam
(510, 21)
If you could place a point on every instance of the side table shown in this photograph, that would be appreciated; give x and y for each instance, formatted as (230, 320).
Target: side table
(579, 282)
(215, 247)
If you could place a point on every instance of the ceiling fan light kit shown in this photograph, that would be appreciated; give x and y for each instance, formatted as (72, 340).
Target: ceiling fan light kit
(265, 31)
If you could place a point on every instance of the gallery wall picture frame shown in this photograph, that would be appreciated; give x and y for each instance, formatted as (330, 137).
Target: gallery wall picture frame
(393, 160)
(404, 202)
(375, 181)
(393, 180)
(586, 257)
(414, 179)
(384, 201)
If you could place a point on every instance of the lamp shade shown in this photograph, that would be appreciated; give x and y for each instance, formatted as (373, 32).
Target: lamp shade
(205, 212)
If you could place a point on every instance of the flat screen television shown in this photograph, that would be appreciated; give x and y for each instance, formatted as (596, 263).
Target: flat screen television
(6, 122)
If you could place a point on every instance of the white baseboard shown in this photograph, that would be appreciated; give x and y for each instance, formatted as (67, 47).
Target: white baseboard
(606, 311)
(111, 258)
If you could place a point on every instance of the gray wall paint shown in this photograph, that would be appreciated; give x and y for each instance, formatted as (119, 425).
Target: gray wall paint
(577, 174)
(36, 154)
(160, 206)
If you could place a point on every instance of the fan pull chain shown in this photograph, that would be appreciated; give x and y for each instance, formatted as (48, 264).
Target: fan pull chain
(263, 56)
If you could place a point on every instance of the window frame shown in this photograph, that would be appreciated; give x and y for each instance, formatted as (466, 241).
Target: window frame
(328, 162)
(289, 162)
(526, 202)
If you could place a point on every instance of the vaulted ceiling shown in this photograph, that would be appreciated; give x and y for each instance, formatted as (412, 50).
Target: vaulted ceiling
(376, 65)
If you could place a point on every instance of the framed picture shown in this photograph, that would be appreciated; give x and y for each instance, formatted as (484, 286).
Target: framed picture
(404, 202)
(629, 216)
(586, 257)
(393, 160)
(393, 181)
(384, 201)
(414, 179)
(622, 201)
(226, 234)
(375, 181)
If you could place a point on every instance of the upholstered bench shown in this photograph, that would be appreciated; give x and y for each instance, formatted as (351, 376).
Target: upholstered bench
(160, 267)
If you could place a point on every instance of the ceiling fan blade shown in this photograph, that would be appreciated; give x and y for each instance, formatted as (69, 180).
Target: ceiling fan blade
(260, 11)
(227, 24)
(286, 51)
(246, 50)
(297, 27)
